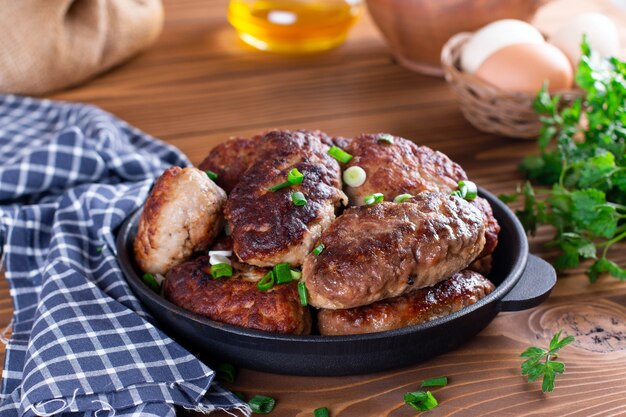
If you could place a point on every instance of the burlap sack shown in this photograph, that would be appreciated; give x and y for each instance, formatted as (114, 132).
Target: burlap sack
(47, 45)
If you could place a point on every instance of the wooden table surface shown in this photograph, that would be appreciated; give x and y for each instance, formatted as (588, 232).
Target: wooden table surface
(199, 85)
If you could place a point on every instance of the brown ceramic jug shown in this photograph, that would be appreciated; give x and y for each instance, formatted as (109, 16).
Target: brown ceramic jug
(416, 30)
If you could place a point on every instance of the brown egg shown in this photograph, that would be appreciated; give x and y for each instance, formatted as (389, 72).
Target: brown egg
(524, 67)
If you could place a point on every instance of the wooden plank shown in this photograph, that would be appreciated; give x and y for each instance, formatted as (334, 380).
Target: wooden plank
(199, 85)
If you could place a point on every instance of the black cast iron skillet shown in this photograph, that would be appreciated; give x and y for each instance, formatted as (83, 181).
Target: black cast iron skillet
(522, 281)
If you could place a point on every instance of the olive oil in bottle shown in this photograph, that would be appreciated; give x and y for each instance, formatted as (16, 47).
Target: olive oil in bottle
(293, 26)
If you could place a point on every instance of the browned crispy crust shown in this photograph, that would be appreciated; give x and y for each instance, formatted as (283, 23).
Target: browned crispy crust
(182, 216)
(398, 168)
(267, 228)
(384, 250)
(482, 265)
(462, 289)
(492, 227)
(230, 159)
(236, 300)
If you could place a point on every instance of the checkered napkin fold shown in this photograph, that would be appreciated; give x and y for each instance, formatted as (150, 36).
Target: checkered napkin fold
(81, 342)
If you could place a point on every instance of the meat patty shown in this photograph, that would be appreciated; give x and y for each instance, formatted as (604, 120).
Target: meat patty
(237, 300)
(230, 159)
(482, 265)
(267, 228)
(182, 216)
(461, 290)
(398, 168)
(492, 228)
(387, 249)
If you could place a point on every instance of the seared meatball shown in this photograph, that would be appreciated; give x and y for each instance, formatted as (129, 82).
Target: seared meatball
(182, 215)
(482, 265)
(461, 290)
(236, 300)
(230, 159)
(398, 168)
(266, 226)
(384, 250)
(492, 228)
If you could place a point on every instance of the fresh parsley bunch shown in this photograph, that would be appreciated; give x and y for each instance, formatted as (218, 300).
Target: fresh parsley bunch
(582, 162)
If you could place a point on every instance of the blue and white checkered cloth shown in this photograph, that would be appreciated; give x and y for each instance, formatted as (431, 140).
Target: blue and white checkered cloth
(81, 342)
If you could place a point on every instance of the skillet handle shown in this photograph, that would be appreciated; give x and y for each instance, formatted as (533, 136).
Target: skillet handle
(533, 287)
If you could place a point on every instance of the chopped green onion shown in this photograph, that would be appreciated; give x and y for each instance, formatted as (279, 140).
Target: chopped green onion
(282, 273)
(279, 186)
(240, 395)
(469, 190)
(295, 176)
(442, 381)
(318, 249)
(151, 282)
(99, 249)
(226, 372)
(402, 198)
(302, 291)
(296, 275)
(354, 176)
(321, 412)
(374, 198)
(266, 282)
(385, 137)
(466, 190)
(298, 199)
(420, 400)
(339, 154)
(212, 175)
(221, 270)
(260, 404)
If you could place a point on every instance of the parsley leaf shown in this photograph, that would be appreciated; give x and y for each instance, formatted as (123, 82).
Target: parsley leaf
(540, 362)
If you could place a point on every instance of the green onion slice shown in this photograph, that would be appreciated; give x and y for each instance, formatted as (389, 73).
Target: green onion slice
(321, 412)
(420, 400)
(339, 154)
(302, 291)
(221, 270)
(261, 404)
(298, 199)
(374, 198)
(386, 138)
(226, 372)
(467, 190)
(296, 275)
(212, 175)
(318, 249)
(441, 381)
(295, 176)
(279, 186)
(266, 282)
(151, 282)
(402, 198)
(282, 273)
(354, 176)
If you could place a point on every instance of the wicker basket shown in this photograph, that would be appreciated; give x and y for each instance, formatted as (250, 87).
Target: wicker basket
(487, 107)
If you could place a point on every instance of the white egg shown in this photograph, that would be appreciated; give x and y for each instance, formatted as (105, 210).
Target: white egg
(601, 33)
(494, 36)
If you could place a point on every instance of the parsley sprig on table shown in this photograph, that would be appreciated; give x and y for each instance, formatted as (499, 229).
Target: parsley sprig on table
(581, 168)
(540, 362)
